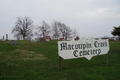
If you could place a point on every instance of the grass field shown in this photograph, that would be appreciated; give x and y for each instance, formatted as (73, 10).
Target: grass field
(40, 61)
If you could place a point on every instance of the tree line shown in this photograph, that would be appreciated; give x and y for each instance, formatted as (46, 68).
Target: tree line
(116, 32)
(24, 28)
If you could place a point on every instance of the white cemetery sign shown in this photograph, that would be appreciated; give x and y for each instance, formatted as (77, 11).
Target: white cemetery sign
(83, 48)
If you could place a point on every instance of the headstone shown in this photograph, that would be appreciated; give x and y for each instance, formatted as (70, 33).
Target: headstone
(37, 39)
(42, 40)
(47, 39)
(6, 37)
(33, 40)
(3, 39)
(61, 38)
(13, 42)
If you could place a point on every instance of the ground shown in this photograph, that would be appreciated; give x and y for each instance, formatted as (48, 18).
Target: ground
(39, 61)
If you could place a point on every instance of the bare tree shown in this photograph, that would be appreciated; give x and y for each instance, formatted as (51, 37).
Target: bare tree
(55, 30)
(62, 29)
(43, 30)
(66, 31)
(75, 33)
(23, 27)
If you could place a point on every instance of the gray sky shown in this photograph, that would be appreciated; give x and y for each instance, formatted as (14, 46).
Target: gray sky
(91, 18)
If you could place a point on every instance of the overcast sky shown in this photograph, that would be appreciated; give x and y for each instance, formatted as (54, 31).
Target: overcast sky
(91, 18)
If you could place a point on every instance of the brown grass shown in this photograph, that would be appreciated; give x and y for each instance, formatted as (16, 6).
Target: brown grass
(23, 55)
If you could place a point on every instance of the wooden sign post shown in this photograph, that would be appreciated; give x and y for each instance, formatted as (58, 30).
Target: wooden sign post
(107, 59)
(60, 63)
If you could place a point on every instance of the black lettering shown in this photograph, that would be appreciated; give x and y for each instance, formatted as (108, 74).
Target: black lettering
(69, 47)
(85, 53)
(72, 46)
(98, 44)
(84, 46)
(89, 45)
(63, 46)
(95, 44)
(76, 46)
(96, 51)
(99, 51)
(80, 46)
(75, 53)
(93, 51)
(88, 52)
(105, 43)
(101, 44)
(80, 53)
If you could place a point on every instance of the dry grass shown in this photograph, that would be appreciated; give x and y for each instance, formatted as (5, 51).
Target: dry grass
(22, 55)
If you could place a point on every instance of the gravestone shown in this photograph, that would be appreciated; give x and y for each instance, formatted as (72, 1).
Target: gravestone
(3, 39)
(42, 40)
(6, 37)
(13, 42)
(33, 40)
(47, 39)
(37, 39)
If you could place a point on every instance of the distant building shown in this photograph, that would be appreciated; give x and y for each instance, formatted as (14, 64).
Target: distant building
(48, 38)
(109, 38)
(77, 38)
(61, 39)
